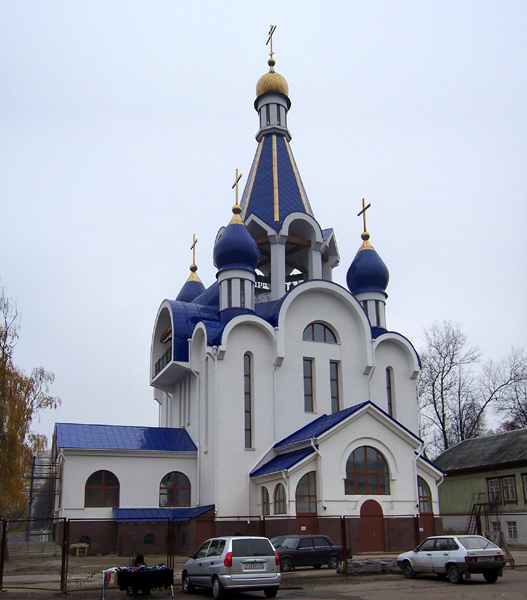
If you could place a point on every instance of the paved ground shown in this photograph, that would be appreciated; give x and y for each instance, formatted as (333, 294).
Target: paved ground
(86, 580)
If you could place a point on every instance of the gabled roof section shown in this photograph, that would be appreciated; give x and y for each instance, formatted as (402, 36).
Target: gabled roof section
(485, 452)
(122, 437)
(274, 188)
(154, 515)
(319, 426)
(282, 462)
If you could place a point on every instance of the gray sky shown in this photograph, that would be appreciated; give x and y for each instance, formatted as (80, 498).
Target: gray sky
(122, 124)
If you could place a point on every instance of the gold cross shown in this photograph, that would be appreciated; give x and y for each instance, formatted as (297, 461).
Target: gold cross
(235, 184)
(363, 213)
(272, 29)
(193, 247)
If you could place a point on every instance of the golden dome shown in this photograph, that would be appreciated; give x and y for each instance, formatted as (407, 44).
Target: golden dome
(272, 82)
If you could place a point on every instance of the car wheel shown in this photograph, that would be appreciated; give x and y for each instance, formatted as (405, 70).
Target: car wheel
(316, 566)
(187, 586)
(454, 574)
(408, 570)
(217, 589)
(286, 564)
(491, 576)
(270, 592)
(333, 562)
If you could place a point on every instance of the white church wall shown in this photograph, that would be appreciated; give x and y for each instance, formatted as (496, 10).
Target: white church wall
(139, 475)
(404, 394)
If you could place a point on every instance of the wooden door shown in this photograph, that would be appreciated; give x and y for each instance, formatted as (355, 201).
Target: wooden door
(372, 522)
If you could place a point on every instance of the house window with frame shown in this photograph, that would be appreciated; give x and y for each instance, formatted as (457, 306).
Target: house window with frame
(334, 385)
(279, 500)
(101, 489)
(266, 505)
(425, 496)
(512, 530)
(367, 472)
(309, 392)
(174, 490)
(306, 494)
(248, 400)
(524, 485)
(502, 490)
(319, 332)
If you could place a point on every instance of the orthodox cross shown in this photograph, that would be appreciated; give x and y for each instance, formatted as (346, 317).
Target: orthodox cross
(363, 213)
(272, 29)
(193, 248)
(235, 184)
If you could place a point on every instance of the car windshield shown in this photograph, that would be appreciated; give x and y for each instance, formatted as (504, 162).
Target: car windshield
(252, 547)
(477, 543)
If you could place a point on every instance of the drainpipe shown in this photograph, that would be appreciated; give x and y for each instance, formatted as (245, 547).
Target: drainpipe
(198, 404)
(372, 370)
(215, 357)
(321, 472)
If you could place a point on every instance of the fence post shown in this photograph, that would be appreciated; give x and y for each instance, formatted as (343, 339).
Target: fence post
(65, 556)
(3, 549)
(344, 545)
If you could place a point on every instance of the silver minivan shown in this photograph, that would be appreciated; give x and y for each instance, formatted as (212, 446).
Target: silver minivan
(241, 563)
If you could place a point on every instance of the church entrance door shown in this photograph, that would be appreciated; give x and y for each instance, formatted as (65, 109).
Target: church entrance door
(372, 522)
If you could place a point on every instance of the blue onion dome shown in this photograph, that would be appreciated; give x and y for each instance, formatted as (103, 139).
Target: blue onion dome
(367, 272)
(235, 248)
(193, 286)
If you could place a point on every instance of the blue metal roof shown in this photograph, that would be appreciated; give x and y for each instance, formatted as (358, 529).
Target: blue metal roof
(282, 462)
(367, 272)
(192, 289)
(236, 249)
(122, 437)
(153, 515)
(319, 426)
(274, 188)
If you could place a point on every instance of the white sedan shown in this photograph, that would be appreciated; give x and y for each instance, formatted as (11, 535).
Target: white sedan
(453, 556)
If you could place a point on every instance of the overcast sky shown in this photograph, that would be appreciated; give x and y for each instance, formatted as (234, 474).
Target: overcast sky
(122, 124)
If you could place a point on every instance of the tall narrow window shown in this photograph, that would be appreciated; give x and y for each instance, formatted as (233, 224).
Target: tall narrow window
(308, 385)
(268, 114)
(279, 500)
(101, 489)
(334, 382)
(378, 312)
(389, 395)
(266, 507)
(248, 400)
(425, 497)
(279, 111)
(306, 494)
(242, 293)
(229, 293)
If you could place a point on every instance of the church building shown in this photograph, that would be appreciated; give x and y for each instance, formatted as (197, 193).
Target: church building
(284, 398)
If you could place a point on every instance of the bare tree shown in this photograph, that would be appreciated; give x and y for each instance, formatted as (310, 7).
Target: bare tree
(455, 394)
(512, 403)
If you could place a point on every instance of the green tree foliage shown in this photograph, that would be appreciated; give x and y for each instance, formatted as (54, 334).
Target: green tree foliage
(22, 397)
(456, 394)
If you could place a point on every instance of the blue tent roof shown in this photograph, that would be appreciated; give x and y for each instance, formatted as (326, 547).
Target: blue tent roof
(282, 462)
(153, 515)
(122, 437)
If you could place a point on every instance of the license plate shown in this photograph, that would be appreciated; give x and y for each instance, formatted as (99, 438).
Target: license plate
(256, 566)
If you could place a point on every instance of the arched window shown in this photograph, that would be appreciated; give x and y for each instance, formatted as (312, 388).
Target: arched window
(367, 472)
(174, 490)
(266, 507)
(425, 496)
(318, 332)
(306, 494)
(389, 390)
(102, 489)
(248, 400)
(279, 500)
(149, 539)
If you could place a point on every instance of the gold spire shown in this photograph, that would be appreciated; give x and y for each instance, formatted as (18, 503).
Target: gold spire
(193, 267)
(366, 245)
(271, 81)
(236, 209)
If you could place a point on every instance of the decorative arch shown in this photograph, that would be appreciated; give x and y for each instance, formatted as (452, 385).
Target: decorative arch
(101, 489)
(174, 490)
(406, 346)
(425, 496)
(306, 494)
(367, 473)
(280, 506)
